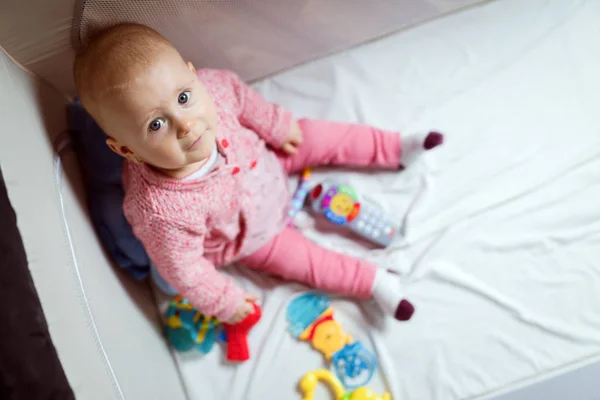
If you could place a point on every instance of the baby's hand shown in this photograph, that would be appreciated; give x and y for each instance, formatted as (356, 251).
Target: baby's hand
(293, 139)
(243, 310)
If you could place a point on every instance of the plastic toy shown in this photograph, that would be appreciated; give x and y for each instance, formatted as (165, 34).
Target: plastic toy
(187, 328)
(354, 365)
(237, 336)
(340, 204)
(311, 319)
(309, 382)
(326, 334)
(299, 196)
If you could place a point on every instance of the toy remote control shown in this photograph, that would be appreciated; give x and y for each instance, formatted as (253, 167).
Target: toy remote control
(340, 204)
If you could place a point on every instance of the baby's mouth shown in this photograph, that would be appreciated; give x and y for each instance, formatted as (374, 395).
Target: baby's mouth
(196, 142)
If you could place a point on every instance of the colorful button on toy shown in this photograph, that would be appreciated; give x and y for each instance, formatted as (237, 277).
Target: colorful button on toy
(340, 204)
(354, 212)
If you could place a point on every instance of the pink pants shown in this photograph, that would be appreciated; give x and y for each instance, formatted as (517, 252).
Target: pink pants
(291, 255)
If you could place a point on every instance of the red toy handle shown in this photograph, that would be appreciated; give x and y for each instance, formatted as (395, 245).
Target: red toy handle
(237, 336)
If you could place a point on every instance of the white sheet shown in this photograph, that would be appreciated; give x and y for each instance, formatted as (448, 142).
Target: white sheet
(502, 251)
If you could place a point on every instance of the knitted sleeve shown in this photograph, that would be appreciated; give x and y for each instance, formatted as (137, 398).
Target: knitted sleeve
(178, 256)
(270, 121)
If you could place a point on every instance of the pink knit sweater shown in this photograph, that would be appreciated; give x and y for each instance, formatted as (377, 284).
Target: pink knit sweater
(190, 228)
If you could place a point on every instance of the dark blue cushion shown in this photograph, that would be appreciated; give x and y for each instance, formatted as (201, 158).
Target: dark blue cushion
(105, 193)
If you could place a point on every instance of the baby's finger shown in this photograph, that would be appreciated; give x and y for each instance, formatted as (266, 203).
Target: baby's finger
(248, 309)
(289, 148)
(251, 297)
(234, 320)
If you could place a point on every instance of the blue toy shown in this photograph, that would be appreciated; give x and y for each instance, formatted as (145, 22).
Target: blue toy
(187, 328)
(304, 310)
(354, 365)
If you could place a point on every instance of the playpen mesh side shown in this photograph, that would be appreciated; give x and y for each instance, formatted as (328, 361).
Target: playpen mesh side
(259, 37)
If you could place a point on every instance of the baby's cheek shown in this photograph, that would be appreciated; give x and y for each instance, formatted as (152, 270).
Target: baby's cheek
(173, 156)
(169, 157)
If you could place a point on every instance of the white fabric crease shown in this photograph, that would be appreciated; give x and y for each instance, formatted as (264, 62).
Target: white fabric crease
(501, 255)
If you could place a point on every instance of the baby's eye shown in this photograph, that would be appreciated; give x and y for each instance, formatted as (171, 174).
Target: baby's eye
(184, 97)
(155, 125)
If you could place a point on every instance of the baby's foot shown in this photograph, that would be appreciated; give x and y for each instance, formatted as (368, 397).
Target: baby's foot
(388, 295)
(414, 146)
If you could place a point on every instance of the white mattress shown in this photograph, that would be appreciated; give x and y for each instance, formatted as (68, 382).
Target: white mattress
(502, 248)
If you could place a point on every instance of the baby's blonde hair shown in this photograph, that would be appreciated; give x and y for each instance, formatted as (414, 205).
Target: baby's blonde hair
(104, 65)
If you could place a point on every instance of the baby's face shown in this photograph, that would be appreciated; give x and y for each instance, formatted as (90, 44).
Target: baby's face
(164, 117)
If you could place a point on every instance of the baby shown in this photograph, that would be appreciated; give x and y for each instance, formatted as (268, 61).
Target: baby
(205, 177)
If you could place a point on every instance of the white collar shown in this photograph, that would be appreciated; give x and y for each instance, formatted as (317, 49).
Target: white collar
(205, 168)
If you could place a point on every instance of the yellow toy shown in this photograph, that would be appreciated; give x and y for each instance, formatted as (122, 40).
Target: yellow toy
(326, 334)
(309, 382)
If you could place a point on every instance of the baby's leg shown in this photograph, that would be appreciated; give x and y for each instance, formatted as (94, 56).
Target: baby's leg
(355, 145)
(292, 256)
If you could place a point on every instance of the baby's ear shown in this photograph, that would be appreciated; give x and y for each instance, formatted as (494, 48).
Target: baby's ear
(121, 150)
(190, 66)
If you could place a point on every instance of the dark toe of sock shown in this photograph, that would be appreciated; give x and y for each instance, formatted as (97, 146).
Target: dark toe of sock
(432, 140)
(404, 311)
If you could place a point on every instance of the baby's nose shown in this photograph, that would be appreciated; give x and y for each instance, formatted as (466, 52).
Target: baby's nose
(185, 127)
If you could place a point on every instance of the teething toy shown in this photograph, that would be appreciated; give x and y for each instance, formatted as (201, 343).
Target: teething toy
(187, 328)
(311, 319)
(237, 336)
(309, 382)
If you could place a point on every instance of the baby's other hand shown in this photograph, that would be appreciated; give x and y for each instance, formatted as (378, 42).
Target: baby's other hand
(293, 139)
(243, 310)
